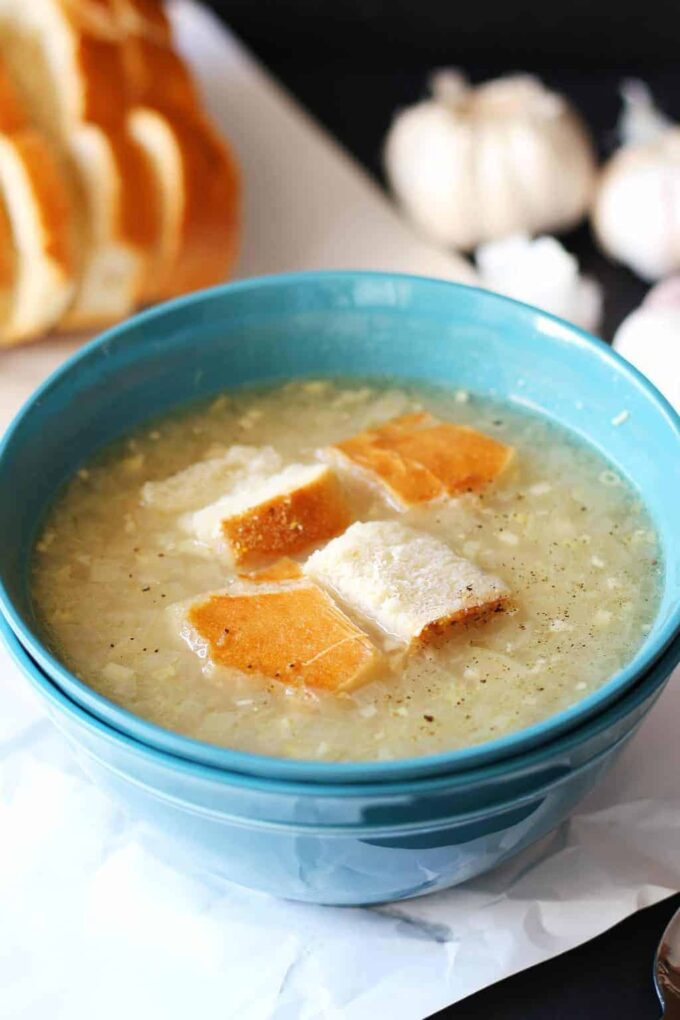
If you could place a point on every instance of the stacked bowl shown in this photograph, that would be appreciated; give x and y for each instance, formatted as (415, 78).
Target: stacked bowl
(342, 833)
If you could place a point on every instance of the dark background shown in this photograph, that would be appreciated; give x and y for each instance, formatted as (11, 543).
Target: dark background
(352, 63)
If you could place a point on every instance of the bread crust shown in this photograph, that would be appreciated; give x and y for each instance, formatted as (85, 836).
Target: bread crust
(418, 459)
(199, 196)
(293, 635)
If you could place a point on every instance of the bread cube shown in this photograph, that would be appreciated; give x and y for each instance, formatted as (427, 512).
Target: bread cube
(208, 480)
(417, 459)
(282, 515)
(290, 632)
(407, 583)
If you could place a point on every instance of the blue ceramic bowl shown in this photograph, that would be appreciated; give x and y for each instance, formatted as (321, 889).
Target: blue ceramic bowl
(336, 324)
(347, 843)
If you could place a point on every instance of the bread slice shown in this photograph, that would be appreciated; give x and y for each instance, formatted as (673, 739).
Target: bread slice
(39, 218)
(208, 480)
(118, 223)
(292, 633)
(406, 582)
(117, 18)
(417, 459)
(70, 73)
(156, 75)
(282, 515)
(198, 194)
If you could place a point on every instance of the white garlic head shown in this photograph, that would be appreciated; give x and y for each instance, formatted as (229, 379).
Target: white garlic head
(475, 164)
(636, 213)
(650, 338)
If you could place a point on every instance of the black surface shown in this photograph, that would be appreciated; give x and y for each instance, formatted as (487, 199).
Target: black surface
(609, 978)
(393, 33)
(352, 63)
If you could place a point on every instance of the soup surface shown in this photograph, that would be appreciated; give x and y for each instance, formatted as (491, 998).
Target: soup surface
(558, 527)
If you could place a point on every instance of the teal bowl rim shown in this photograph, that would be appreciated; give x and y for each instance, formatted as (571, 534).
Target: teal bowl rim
(44, 687)
(307, 770)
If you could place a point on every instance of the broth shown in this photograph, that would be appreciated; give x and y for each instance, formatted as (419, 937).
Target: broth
(568, 537)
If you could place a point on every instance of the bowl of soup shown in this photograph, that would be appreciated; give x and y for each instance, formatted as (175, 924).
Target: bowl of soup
(346, 843)
(343, 527)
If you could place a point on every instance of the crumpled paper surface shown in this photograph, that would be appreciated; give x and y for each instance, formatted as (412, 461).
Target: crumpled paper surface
(94, 925)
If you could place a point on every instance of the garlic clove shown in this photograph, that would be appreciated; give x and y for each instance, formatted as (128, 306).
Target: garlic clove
(665, 294)
(641, 122)
(541, 273)
(650, 338)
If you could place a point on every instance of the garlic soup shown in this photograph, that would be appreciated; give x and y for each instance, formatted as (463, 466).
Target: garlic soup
(338, 571)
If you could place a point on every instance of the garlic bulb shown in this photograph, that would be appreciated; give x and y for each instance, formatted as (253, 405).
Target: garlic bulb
(474, 164)
(636, 214)
(541, 273)
(650, 338)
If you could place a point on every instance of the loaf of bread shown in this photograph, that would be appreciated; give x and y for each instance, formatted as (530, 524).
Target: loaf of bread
(115, 189)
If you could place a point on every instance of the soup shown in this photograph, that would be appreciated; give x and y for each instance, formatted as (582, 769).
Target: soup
(216, 575)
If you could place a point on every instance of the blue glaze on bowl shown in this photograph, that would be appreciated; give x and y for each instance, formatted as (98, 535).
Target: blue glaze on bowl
(318, 324)
(346, 843)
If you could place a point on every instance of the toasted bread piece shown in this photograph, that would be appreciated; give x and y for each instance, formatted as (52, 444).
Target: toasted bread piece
(208, 480)
(40, 217)
(292, 633)
(406, 582)
(68, 72)
(198, 195)
(416, 459)
(280, 516)
(118, 220)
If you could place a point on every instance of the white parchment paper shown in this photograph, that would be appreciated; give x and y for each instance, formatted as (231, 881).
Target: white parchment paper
(94, 927)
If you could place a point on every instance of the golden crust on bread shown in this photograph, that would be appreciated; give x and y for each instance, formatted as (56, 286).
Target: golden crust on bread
(417, 458)
(155, 74)
(294, 635)
(13, 115)
(158, 77)
(289, 522)
(199, 196)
